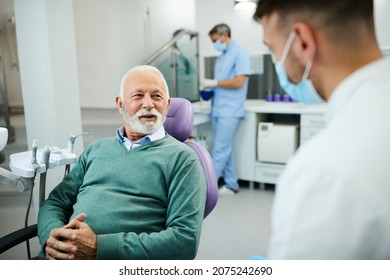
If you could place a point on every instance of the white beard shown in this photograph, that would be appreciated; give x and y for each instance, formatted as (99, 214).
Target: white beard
(144, 128)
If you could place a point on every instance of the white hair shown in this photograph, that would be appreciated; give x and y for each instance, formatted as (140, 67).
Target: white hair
(142, 68)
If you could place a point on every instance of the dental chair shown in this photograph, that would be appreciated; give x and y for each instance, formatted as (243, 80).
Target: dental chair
(179, 124)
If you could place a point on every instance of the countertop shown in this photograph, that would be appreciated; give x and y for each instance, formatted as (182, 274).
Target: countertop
(261, 106)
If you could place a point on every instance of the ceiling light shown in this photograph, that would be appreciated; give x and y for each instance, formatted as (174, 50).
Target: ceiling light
(244, 4)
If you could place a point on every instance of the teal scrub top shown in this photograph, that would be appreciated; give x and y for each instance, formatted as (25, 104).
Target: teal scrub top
(234, 61)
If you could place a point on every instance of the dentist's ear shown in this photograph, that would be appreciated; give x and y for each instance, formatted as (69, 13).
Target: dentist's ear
(305, 42)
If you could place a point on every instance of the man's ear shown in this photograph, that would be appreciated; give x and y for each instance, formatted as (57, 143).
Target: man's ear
(119, 104)
(305, 43)
(169, 105)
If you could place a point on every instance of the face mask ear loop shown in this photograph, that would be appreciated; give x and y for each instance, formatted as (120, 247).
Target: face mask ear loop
(287, 47)
(308, 68)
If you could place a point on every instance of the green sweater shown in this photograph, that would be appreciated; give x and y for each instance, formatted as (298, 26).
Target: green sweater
(146, 203)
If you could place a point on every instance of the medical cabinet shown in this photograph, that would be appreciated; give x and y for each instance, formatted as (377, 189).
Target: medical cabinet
(276, 143)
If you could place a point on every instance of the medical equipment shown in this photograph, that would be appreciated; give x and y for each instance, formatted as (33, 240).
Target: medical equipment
(276, 142)
(24, 168)
(72, 138)
(34, 162)
(20, 162)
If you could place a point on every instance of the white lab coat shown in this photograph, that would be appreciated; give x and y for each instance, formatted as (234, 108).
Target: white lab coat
(333, 200)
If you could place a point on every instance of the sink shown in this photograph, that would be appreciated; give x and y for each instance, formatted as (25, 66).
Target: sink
(3, 137)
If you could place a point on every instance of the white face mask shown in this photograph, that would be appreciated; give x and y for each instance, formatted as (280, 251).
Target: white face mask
(303, 91)
(143, 128)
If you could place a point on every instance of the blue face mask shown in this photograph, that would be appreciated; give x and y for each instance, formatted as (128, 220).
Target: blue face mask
(219, 46)
(303, 91)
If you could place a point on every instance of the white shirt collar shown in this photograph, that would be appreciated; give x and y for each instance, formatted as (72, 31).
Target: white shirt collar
(159, 134)
(350, 86)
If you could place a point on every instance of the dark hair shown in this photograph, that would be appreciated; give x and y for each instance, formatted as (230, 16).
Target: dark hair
(220, 29)
(336, 16)
(338, 11)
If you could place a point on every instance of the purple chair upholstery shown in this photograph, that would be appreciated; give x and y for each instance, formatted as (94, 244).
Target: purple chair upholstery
(179, 124)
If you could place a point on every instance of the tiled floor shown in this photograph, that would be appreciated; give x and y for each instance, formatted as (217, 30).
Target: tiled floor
(237, 228)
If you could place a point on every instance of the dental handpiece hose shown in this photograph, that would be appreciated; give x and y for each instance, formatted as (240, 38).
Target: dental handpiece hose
(42, 181)
(34, 165)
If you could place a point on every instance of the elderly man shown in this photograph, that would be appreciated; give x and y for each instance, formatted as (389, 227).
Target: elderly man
(332, 201)
(139, 195)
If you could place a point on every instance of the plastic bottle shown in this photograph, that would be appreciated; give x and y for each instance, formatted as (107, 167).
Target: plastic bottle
(269, 97)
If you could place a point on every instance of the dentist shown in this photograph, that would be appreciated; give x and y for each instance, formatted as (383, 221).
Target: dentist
(332, 200)
(230, 85)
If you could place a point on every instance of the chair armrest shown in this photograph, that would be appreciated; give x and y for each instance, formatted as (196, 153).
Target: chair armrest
(17, 237)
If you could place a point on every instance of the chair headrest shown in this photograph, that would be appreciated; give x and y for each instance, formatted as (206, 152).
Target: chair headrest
(180, 119)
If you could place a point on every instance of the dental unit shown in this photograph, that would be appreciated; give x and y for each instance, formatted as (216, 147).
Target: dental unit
(24, 168)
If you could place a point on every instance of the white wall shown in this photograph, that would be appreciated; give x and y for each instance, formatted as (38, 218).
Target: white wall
(382, 22)
(115, 35)
(95, 32)
(167, 16)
